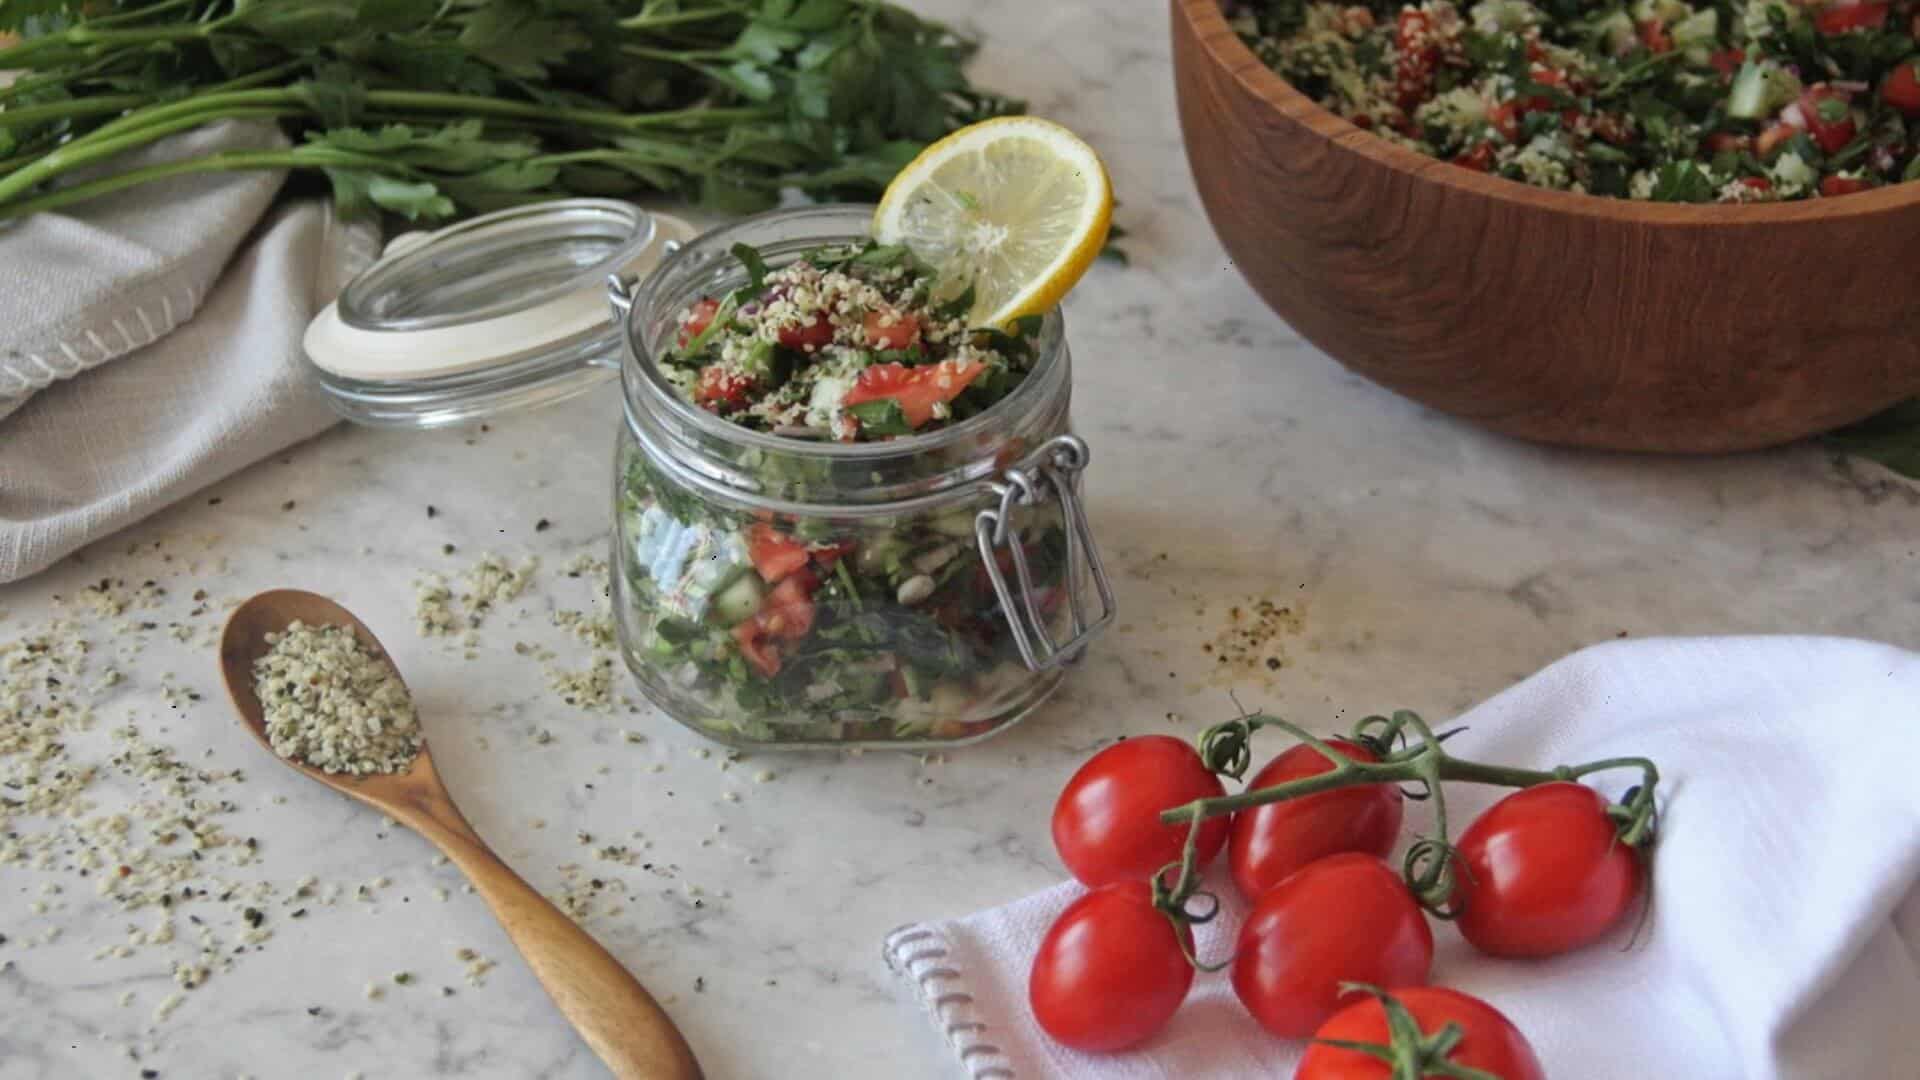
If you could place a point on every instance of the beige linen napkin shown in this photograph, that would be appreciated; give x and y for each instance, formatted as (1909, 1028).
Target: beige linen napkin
(144, 405)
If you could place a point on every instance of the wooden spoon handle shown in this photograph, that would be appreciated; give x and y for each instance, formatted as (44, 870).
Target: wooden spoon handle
(603, 1001)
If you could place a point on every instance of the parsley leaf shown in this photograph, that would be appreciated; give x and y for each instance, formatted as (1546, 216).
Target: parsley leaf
(881, 417)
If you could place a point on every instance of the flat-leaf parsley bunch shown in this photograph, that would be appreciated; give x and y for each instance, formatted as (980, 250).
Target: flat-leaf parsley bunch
(431, 108)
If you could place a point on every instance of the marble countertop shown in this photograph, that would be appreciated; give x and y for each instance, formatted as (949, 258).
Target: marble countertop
(1422, 563)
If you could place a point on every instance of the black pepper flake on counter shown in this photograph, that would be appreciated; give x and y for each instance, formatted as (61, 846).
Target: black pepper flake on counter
(149, 1074)
(288, 505)
(446, 549)
(542, 525)
(699, 984)
(431, 512)
(313, 1010)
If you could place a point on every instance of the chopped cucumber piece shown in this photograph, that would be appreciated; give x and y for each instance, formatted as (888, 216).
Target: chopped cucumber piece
(1759, 89)
(737, 602)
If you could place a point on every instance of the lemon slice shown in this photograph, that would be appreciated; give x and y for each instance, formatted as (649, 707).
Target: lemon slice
(1018, 206)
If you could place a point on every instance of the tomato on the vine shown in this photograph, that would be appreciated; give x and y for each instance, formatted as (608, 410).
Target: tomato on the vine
(1107, 825)
(1269, 842)
(1110, 972)
(1345, 918)
(1490, 1042)
(1543, 872)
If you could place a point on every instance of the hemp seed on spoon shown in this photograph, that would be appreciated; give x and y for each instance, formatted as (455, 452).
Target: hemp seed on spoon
(335, 704)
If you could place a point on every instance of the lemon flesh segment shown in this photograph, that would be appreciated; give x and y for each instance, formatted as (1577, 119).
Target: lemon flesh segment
(1019, 207)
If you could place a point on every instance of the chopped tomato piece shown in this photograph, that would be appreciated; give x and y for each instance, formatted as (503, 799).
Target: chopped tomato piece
(1771, 139)
(1842, 185)
(721, 387)
(761, 654)
(775, 555)
(699, 317)
(1653, 34)
(1505, 119)
(1723, 141)
(1418, 56)
(810, 337)
(1478, 157)
(785, 615)
(1727, 61)
(916, 389)
(1757, 183)
(1545, 76)
(891, 329)
(1902, 88)
(1613, 128)
(1827, 116)
(1840, 17)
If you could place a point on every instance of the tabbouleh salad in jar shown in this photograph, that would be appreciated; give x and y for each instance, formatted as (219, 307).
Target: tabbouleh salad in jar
(1731, 101)
(803, 629)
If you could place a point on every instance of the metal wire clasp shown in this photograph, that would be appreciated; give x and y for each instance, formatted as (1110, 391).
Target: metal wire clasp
(1049, 472)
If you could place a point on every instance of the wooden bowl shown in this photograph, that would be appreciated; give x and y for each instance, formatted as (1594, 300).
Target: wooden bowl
(1547, 315)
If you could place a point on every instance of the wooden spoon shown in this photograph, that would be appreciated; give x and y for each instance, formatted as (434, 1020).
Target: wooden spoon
(608, 1006)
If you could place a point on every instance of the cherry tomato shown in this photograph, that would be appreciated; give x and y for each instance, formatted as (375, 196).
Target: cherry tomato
(1418, 55)
(1902, 88)
(773, 553)
(719, 387)
(1269, 842)
(810, 336)
(1346, 918)
(1827, 117)
(1107, 826)
(1491, 1043)
(891, 329)
(916, 389)
(1842, 16)
(1842, 185)
(699, 317)
(1110, 972)
(1543, 872)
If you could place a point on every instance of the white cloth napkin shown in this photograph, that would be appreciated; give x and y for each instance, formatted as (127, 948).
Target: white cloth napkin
(1784, 938)
(184, 401)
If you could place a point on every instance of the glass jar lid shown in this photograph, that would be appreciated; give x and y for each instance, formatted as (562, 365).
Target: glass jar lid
(501, 311)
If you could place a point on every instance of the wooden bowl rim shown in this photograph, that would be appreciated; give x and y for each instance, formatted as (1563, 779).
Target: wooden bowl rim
(1209, 26)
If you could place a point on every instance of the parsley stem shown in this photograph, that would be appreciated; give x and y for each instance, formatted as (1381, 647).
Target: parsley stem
(648, 21)
(299, 157)
(87, 151)
(25, 115)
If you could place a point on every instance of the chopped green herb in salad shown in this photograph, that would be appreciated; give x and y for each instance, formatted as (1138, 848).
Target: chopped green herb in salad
(1731, 101)
(851, 342)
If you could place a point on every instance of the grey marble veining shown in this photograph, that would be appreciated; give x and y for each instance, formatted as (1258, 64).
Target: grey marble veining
(1425, 565)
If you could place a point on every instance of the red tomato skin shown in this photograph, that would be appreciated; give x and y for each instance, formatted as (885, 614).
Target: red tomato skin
(1418, 56)
(1110, 973)
(915, 389)
(700, 318)
(1106, 824)
(774, 555)
(1727, 61)
(1838, 19)
(1842, 185)
(1727, 140)
(1267, 843)
(761, 654)
(721, 388)
(1902, 86)
(1771, 138)
(1478, 157)
(1543, 872)
(1653, 34)
(808, 337)
(1346, 918)
(1491, 1042)
(902, 331)
(1829, 135)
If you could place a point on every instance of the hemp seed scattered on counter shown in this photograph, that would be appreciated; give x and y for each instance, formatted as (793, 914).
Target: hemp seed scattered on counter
(334, 703)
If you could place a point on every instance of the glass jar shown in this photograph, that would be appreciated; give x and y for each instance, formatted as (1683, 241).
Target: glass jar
(931, 590)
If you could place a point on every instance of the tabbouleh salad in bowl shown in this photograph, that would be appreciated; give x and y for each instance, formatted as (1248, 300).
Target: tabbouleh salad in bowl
(1734, 101)
(821, 628)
